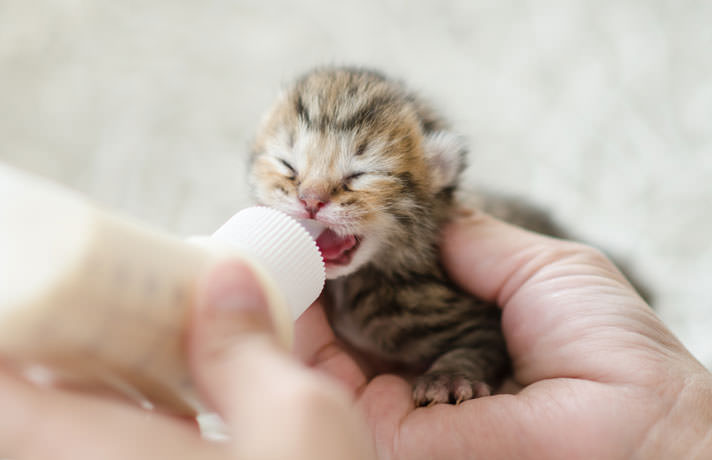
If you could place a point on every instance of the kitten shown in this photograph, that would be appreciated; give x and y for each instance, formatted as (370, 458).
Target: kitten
(370, 160)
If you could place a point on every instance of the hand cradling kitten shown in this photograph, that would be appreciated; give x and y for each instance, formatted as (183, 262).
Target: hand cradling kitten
(367, 158)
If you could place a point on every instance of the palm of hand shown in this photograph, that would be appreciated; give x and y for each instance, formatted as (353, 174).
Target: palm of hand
(586, 350)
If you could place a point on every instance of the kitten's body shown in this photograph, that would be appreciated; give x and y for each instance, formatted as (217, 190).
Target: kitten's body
(361, 154)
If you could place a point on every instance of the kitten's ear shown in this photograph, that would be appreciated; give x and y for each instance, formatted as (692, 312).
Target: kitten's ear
(445, 152)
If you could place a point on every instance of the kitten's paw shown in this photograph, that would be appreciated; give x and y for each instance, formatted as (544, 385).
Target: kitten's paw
(434, 388)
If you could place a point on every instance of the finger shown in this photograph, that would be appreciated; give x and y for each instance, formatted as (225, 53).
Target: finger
(50, 423)
(316, 345)
(386, 402)
(232, 343)
(560, 415)
(489, 427)
(494, 260)
(41, 377)
(480, 428)
(563, 302)
(311, 333)
(261, 392)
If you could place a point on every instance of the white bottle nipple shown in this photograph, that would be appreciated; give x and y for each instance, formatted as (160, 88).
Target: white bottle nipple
(284, 248)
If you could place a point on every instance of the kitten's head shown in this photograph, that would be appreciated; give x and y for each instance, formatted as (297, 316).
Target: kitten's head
(355, 151)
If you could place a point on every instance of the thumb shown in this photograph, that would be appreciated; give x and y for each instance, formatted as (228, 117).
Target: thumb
(233, 349)
(495, 260)
(261, 392)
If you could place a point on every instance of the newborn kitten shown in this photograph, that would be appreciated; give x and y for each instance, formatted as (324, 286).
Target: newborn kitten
(371, 161)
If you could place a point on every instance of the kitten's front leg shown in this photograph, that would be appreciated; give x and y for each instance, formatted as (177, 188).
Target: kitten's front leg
(459, 375)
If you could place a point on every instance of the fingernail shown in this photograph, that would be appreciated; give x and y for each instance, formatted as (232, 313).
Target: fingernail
(233, 290)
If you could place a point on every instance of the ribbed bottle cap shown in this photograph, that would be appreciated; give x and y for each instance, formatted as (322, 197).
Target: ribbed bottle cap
(283, 248)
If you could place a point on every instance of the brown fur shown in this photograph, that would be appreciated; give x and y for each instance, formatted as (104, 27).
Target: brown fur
(388, 168)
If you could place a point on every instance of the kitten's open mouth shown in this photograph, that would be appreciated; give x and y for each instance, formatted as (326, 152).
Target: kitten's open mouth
(337, 249)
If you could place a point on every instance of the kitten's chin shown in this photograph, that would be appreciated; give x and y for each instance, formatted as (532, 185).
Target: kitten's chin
(338, 271)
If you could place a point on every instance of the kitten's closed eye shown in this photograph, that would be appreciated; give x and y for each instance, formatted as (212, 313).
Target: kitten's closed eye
(292, 170)
(353, 176)
(361, 149)
(350, 178)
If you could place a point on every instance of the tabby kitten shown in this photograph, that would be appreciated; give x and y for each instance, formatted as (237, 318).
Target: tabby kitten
(371, 161)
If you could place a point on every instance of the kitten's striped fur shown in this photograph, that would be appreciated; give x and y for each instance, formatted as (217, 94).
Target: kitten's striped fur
(388, 167)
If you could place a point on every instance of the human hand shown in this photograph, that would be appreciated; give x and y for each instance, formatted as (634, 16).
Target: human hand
(599, 375)
(273, 406)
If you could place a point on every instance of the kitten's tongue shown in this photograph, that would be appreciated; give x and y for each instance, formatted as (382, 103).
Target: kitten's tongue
(333, 247)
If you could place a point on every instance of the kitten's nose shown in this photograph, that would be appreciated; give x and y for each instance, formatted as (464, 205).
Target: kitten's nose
(313, 202)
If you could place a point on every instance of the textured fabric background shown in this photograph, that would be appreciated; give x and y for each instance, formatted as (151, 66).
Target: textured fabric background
(600, 112)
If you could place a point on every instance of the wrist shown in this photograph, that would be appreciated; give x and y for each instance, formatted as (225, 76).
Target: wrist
(685, 431)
